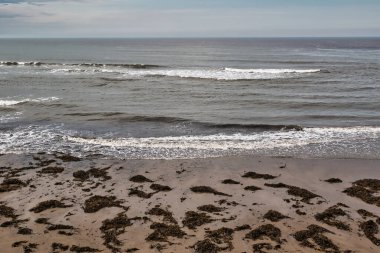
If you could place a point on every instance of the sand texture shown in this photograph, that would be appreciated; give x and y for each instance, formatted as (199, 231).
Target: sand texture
(59, 203)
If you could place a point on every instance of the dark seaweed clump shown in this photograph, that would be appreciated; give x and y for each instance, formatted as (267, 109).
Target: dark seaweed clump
(255, 175)
(267, 230)
(54, 227)
(221, 236)
(28, 247)
(230, 181)
(334, 180)
(140, 194)
(365, 214)
(51, 170)
(160, 188)
(366, 190)
(58, 247)
(206, 246)
(242, 227)
(111, 229)
(42, 206)
(78, 249)
(68, 158)
(207, 189)
(168, 216)
(193, 219)
(370, 229)
(296, 191)
(82, 175)
(24, 231)
(140, 179)
(274, 216)
(329, 217)
(252, 188)
(260, 247)
(210, 208)
(162, 231)
(11, 184)
(95, 203)
(314, 238)
(7, 211)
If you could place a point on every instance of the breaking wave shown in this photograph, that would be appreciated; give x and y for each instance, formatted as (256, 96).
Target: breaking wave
(12, 102)
(312, 142)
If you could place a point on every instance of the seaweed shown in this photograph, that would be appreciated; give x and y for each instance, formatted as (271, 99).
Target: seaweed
(82, 175)
(210, 208)
(252, 188)
(206, 246)
(255, 175)
(243, 227)
(59, 227)
(162, 231)
(68, 158)
(168, 216)
(259, 247)
(95, 203)
(207, 189)
(230, 181)
(140, 194)
(370, 229)
(365, 214)
(44, 205)
(51, 170)
(11, 184)
(193, 219)
(220, 236)
(329, 217)
(79, 249)
(140, 179)
(267, 230)
(24, 231)
(160, 188)
(111, 229)
(366, 190)
(305, 195)
(7, 211)
(274, 216)
(333, 180)
(314, 238)
(59, 246)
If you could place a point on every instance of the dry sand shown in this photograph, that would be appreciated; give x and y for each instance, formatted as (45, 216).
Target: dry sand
(92, 205)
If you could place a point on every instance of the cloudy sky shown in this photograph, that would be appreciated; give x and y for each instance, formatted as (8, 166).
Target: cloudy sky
(188, 18)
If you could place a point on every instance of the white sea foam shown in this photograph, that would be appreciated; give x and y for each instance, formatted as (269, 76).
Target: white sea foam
(10, 102)
(227, 74)
(316, 142)
(273, 71)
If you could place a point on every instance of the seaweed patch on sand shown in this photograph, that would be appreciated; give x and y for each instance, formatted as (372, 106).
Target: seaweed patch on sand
(274, 216)
(330, 217)
(193, 219)
(95, 203)
(314, 238)
(255, 175)
(49, 204)
(207, 189)
(304, 194)
(366, 190)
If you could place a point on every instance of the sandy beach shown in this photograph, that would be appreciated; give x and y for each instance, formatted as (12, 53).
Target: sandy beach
(59, 203)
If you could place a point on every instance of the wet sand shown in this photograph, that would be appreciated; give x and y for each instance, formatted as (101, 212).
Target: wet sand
(58, 203)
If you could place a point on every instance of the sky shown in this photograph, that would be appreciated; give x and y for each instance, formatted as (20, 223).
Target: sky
(189, 18)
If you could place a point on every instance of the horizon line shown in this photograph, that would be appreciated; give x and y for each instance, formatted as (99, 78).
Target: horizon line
(196, 37)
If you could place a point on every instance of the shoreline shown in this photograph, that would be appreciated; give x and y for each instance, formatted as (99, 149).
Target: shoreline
(60, 203)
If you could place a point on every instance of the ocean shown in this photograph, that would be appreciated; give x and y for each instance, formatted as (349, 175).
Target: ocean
(191, 98)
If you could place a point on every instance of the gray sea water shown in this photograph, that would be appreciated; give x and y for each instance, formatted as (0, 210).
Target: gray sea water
(181, 98)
